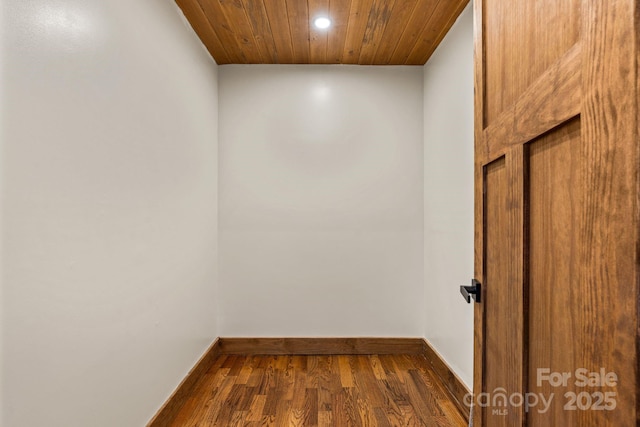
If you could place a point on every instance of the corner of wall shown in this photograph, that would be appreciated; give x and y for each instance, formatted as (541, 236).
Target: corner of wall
(448, 203)
(108, 177)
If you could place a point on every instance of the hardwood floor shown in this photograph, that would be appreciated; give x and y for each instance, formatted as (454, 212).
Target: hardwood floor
(344, 390)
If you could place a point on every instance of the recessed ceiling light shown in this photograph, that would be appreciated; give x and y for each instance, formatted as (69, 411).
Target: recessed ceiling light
(322, 22)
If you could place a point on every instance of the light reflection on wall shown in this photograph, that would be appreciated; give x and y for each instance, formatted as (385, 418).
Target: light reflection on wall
(65, 25)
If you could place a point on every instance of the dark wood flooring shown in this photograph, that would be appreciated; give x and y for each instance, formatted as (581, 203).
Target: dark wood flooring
(371, 390)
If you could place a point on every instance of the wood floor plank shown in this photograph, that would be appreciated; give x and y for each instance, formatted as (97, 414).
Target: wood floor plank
(216, 378)
(366, 380)
(381, 418)
(289, 380)
(450, 411)
(313, 371)
(376, 365)
(257, 405)
(237, 420)
(325, 419)
(245, 372)
(282, 412)
(423, 405)
(256, 378)
(274, 395)
(365, 408)
(211, 409)
(267, 420)
(237, 365)
(229, 361)
(300, 382)
(347, 410)
(189, 409)
(345, 371)
(326, 390)
(328, 383)
(234, 400)
(311, 407)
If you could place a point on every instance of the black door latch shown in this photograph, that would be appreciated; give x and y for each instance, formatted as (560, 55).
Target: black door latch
(474, 291)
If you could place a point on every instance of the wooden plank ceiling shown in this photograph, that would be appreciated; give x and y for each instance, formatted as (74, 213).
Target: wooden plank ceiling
(380, 32)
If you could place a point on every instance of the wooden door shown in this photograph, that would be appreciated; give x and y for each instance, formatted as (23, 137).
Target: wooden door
(556, 239)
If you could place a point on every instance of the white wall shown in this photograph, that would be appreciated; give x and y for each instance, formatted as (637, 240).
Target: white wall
(448, 195)
(109, 209)
(321, 207)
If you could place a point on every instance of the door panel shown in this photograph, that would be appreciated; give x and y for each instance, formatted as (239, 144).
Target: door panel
(550, 27)
(556, 299)
(504, 374)
(557, 219)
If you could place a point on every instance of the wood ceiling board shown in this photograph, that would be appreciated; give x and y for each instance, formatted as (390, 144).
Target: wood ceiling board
(240, 26)
(379, 32)
(261, 29)
(339, 13)
(376, 24)
(298, 11)
(420, 16)
(439, 24)
(279, 20)
(402, 10)
(198, 20)
(219, 24)
(358, 18)
(318, 37)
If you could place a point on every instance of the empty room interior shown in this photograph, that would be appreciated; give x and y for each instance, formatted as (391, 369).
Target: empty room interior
(319, 213)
